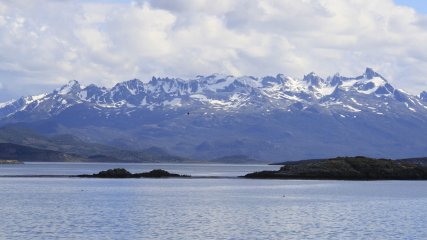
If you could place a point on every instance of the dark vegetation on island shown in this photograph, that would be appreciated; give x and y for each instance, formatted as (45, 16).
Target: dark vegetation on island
(123, 173)
(347, 168)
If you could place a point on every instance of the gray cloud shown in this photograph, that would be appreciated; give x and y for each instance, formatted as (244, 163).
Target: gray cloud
(47, 43)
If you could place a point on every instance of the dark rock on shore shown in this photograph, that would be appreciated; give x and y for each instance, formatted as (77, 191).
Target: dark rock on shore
(123, 173)
(346, 168)
(10, 162)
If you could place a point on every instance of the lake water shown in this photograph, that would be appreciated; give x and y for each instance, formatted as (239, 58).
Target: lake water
(74, 208)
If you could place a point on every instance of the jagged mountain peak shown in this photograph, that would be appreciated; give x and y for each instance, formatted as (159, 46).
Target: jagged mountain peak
(131, 85)
(72, 86)
(336, 79)
(313, 79)
(423, 96)
(159, 80)
(219, 76)
(133, 81)
(370, 74)
(311, 74)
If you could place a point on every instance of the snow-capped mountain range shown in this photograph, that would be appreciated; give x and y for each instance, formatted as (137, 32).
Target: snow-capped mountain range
(369, 92)
(211, 102)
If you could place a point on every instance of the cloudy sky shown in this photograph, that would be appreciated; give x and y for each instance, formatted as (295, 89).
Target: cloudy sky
(44, 44)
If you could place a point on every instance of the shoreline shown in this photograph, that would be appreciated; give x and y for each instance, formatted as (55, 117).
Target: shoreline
(215, 177)
(75, 176)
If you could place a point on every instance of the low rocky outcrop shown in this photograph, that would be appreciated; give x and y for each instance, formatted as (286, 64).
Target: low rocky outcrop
(123, 173)
(2, 161)
(346, 168)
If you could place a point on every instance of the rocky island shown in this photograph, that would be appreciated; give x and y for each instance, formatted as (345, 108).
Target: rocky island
(346, 168)
(123, 173)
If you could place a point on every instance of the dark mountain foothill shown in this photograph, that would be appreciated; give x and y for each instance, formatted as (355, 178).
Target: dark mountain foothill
(25, 144)
(236, 159)
(30, 154)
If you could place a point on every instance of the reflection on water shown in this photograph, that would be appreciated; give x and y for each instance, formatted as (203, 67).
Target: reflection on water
(72, 208)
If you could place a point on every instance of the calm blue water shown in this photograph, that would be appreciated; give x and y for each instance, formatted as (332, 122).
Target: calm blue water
(73, 208)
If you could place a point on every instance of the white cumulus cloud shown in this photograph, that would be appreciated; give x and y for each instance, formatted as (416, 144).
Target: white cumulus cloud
(46, 43)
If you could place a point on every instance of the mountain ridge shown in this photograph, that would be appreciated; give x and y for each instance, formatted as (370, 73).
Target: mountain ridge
(220, 92)
(273, 118)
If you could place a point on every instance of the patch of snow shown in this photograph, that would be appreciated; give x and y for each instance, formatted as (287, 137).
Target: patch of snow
(83, 94)
(249, 81)
(38, 97)
(326, 90)
(106, 105)
(407, 105)
(215, 85)
(347, 85)
(356, 102)
(144, 101)
(131, 90)
(4, 104)
(199, 97)
(377, 81)
(218, 102)
(292, 98)
(295, 85)
(176, 102)
(412, 101)
(351, 108)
